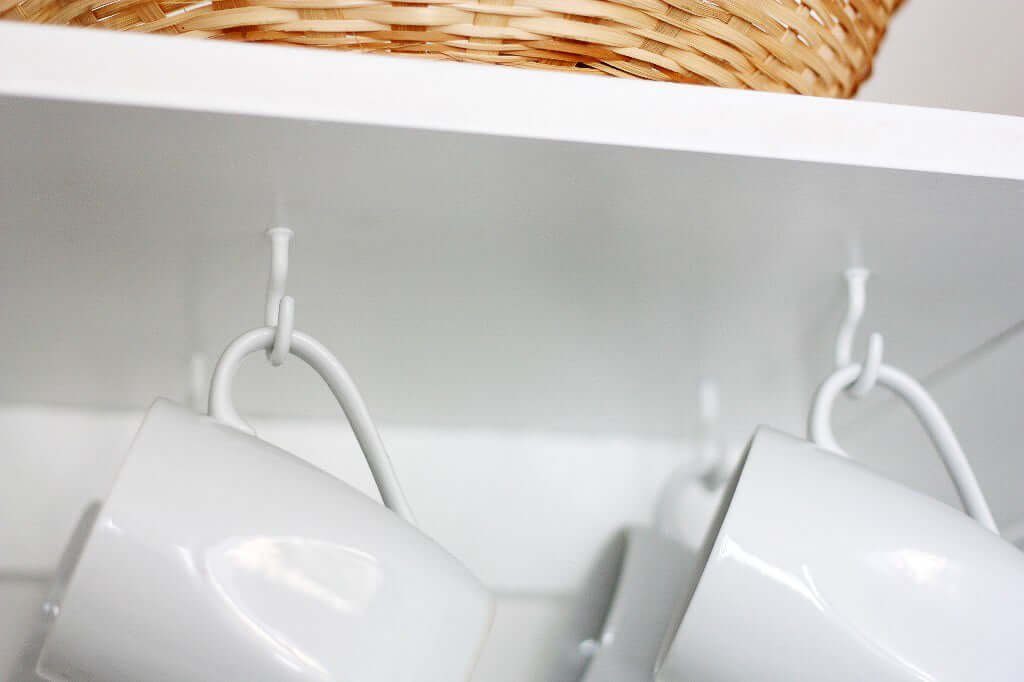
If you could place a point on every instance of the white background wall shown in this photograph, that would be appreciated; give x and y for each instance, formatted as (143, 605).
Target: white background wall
(953, 54)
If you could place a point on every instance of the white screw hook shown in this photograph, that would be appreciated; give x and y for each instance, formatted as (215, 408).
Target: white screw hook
(280, 311)
(856, 285)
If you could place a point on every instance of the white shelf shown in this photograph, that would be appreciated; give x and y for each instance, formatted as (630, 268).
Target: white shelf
(312, 85)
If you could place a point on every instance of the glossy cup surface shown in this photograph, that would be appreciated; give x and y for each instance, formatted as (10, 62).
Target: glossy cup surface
(220, 557)
(823, 570)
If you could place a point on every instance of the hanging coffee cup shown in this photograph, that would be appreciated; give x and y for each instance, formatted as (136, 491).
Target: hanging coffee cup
(218, 556)
(818, 568)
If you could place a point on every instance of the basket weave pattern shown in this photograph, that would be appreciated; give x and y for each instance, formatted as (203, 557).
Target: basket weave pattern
(814, 47)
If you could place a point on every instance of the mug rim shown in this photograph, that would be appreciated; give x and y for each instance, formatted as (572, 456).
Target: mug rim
(711, 543)
(100, 511)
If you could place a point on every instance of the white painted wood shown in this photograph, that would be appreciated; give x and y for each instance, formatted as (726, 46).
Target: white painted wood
(473, 281)
(322, 86)
(516, 279)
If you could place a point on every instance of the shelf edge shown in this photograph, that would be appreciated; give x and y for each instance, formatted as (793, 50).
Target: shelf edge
(285, 82)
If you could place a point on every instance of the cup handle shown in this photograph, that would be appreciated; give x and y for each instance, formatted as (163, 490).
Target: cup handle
(337, 379)
(819, 430)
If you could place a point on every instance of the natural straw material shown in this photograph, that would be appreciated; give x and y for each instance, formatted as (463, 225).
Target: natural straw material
(813, 47)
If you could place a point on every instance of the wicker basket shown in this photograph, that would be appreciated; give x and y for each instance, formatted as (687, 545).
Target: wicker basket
(813, 47)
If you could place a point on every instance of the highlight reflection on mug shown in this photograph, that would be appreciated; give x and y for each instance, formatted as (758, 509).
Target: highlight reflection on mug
(260, 577)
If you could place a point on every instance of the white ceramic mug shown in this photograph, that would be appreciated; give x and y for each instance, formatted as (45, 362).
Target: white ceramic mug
(655, 574)
(218, 557)
(818, 569)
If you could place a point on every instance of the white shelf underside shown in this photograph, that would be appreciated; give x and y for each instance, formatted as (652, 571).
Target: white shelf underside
(313, 85)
